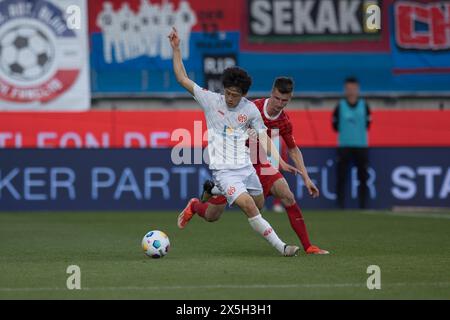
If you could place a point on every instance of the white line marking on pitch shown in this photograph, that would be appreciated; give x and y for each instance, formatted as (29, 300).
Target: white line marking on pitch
(256, 286)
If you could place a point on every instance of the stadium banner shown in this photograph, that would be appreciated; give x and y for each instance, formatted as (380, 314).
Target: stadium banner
(421, 48)
(213, 67)
(313, 26)
(162, 128)
(408, 54)
(400, 47)
(124, 179)
(44, 55)
(129, 39)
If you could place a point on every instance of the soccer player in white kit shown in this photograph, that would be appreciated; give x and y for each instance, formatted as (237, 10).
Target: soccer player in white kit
(229, 117)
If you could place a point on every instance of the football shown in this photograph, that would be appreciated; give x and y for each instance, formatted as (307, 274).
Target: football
(155, 244)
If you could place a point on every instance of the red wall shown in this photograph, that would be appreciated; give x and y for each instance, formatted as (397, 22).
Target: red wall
(110, 128)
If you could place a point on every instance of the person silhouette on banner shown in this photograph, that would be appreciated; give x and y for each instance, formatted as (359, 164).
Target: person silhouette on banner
(126, 32)
(185, 20)
(149, 16)
(168, 21)
(107, 21)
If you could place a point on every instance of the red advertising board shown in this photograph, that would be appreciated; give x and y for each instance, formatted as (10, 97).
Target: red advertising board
(152, 129)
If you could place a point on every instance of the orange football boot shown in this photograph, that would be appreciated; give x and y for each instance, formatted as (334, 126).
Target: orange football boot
(186, 215)
(316, 250)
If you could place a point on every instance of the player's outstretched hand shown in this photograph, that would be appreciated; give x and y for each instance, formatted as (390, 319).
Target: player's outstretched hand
(174, 39)
(288, 168)
(312, 189)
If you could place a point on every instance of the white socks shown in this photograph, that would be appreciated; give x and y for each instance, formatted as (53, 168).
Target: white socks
(260, 225)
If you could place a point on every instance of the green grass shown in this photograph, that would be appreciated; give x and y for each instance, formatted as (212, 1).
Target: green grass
(223, 260)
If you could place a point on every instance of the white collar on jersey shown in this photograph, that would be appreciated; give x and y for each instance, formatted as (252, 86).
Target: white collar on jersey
(267, 115)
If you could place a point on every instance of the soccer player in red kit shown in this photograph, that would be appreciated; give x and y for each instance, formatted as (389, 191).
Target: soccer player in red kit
(271, 179)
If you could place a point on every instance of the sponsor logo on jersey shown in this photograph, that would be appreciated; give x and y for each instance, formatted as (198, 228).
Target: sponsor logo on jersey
(228, 130)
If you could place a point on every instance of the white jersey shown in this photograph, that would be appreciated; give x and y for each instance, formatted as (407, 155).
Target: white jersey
(227, 129)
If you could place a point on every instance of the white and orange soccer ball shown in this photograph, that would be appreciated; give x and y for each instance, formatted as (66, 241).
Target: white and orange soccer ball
(155, 244)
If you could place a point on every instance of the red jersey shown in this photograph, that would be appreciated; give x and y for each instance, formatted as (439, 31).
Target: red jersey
(280, 122)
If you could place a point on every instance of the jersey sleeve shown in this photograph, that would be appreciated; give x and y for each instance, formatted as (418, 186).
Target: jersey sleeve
(256, 121)
(288, 136)
(205, 98)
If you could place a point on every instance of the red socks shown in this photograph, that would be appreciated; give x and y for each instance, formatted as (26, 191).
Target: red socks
(199, 208)
(298, 224)
(294, 214)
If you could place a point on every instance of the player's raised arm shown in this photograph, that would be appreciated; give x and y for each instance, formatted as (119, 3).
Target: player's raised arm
(178, 67)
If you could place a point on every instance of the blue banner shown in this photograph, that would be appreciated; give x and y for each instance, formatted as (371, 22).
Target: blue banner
(401, 48)
(134, 179)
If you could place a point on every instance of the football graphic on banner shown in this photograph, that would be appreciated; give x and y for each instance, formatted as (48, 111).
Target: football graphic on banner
(43, 61)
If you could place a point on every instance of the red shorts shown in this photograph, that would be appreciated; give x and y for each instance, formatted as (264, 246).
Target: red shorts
(267, 176)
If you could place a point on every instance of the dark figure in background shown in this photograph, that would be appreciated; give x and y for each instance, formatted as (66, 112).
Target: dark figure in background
(351, 119)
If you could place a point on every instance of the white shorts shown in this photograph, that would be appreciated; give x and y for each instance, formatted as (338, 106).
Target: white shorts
(232, 183)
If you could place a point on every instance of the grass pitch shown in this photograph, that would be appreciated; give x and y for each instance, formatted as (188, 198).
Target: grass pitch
(223, 260)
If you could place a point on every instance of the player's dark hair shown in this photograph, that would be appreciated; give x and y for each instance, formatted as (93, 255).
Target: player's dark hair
(284, 85)
(236, 77)
(351, 80)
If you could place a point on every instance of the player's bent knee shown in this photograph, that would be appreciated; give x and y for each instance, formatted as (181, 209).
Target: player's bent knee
(288, 199)
(212, 219)
(214, 213)
(247, 204)
(260, 205)
(259, 201)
